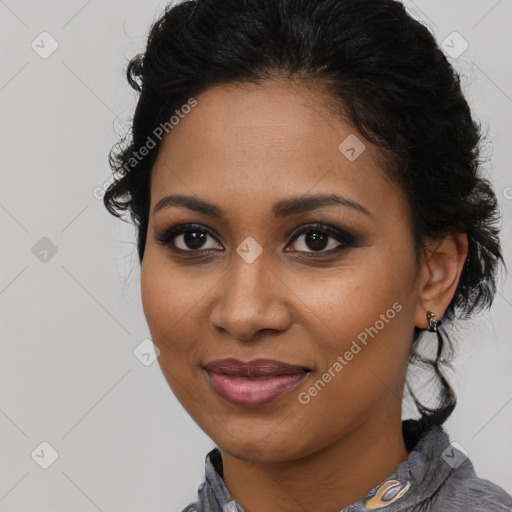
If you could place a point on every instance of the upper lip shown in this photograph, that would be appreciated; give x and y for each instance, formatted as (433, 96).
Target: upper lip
(254, 368)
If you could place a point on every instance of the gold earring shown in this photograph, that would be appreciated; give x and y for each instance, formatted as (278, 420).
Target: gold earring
(433, 322)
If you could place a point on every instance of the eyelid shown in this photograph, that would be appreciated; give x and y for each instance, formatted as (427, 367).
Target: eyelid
(166, 235)
(344, 238)
(318, 226)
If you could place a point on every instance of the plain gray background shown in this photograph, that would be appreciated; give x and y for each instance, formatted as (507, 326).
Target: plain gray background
(70, 307)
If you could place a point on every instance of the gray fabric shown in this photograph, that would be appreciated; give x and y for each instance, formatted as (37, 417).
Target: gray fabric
(436, 477)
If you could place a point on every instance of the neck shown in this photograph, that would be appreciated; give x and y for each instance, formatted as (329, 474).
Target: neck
(328, 480)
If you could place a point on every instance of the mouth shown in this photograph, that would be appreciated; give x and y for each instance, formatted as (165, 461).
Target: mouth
(253, 383)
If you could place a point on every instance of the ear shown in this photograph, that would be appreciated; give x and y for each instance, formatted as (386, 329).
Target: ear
(439, 275)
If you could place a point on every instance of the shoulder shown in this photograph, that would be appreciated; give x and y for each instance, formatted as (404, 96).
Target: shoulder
(464, 490)
(483, 494)
(443, 477)
(193, 507)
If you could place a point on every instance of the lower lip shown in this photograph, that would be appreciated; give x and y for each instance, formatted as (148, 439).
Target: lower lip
(253, 391)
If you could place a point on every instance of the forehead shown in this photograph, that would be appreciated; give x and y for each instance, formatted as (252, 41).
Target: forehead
(264, 141)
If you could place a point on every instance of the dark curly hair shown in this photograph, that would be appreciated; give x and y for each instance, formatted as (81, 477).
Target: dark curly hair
(386, 75)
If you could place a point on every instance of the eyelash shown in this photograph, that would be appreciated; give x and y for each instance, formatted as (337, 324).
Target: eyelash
(346, 240)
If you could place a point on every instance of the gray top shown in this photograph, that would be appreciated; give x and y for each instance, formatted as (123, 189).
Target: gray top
(436, 477)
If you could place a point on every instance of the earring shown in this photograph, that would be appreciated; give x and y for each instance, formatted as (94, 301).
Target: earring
(433, 322)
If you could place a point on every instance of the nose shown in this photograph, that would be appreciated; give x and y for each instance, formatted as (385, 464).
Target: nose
(251, 298)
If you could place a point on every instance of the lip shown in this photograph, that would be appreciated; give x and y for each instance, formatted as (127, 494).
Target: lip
(255, 382)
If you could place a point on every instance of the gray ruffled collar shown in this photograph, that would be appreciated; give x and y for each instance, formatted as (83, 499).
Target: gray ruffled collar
(414, 481)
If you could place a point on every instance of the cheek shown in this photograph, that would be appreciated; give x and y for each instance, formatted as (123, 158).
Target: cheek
(168, 301)
(353, 297)
(362, 314)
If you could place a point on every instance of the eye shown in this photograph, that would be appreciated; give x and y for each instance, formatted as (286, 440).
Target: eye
(318, 237)
(188, 238)
(311, 239)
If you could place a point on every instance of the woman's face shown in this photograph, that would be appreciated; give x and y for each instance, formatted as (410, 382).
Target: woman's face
(254, 278)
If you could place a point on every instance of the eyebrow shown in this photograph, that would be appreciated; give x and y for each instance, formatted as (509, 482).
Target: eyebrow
(281, 208)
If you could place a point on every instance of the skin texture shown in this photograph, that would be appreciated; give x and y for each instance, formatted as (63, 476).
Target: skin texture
(244, 148)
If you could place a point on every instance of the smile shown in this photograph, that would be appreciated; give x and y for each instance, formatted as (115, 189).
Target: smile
(253, 383)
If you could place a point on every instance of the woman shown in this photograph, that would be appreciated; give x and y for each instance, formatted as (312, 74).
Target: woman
(305, 181)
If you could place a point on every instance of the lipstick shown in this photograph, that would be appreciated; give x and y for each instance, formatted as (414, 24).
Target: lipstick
(255, 382)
